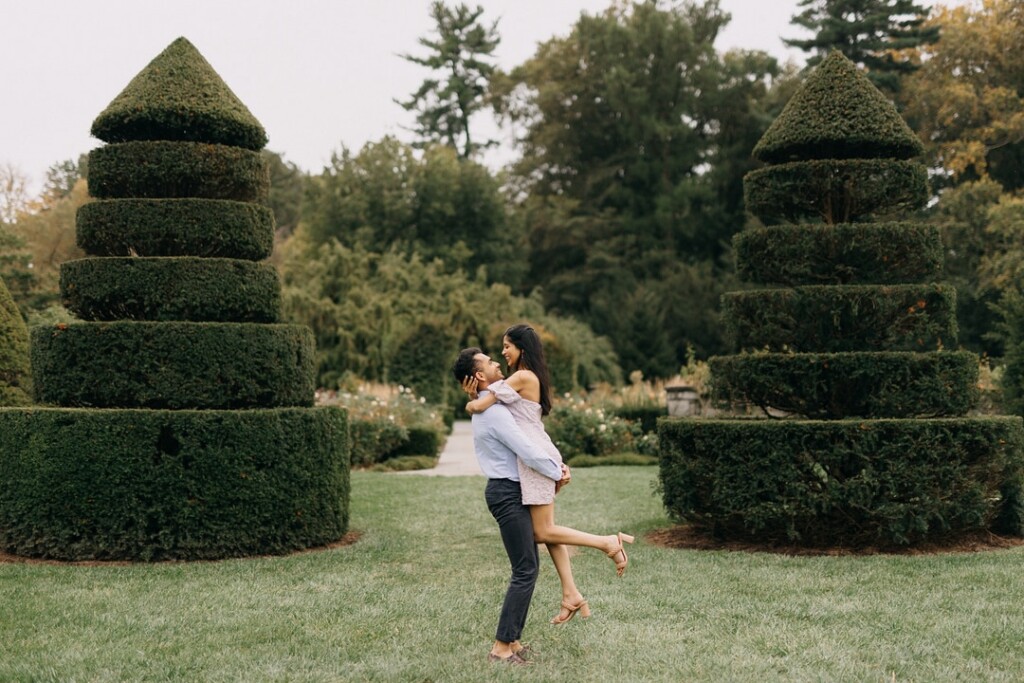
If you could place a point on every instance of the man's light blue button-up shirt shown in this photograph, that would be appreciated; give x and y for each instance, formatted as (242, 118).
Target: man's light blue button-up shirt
(497, 441)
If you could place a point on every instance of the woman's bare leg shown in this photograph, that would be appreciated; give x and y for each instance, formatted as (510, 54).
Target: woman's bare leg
(570, 593)
(546, 531)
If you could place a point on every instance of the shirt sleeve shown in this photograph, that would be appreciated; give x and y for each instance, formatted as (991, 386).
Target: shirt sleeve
(505, 429)
(503, 392)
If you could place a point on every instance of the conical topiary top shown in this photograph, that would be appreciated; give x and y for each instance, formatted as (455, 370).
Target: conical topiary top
(837, 114)
(178, 96)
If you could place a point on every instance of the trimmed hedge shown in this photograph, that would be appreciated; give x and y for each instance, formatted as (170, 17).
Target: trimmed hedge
(864, 253)
(834, 318)
(176, 288)
(15, 372)
(848, 482)
(834, 190)
(837, 385)
(178, 96)
(837, 114)
(152, 485)
(165, 169)
(176, 227)
(173, 365)
(373, 440)
(420, 441)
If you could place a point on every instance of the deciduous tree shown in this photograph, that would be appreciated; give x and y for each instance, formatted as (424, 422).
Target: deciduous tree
(967, 100)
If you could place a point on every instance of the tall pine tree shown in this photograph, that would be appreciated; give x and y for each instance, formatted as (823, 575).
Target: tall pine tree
(871, 33)
(461, 51)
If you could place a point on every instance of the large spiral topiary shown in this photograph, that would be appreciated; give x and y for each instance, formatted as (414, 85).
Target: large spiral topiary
(851, 347)
(176, 419)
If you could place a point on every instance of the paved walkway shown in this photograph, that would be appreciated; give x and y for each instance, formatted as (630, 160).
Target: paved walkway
(457, 459)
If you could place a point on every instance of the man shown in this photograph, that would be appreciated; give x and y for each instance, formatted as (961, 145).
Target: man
(497, 441)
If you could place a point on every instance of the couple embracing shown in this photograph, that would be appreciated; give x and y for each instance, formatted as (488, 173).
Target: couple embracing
(524, 471)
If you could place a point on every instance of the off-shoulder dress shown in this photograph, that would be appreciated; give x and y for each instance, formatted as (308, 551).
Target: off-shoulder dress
(537, 489)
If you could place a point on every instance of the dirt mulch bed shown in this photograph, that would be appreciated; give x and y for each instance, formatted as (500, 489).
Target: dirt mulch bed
(690, 538)
(5, 558)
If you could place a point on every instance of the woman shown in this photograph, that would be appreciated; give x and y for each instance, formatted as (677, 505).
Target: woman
(527, 394)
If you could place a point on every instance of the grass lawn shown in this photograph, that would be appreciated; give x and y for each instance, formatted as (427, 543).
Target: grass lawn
(417, 598)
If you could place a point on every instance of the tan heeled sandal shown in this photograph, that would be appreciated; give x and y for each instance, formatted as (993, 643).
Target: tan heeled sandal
(620, 567)
(582, 607)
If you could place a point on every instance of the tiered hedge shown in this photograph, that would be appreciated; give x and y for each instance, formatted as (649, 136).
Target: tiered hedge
(862, 253)
(173, 365)
(139, 484)
(177, 288)
(15, 372)
(176, 227)
(833, 386)
(166, 169)
(842, 318)
(845, 482)
(836, 190)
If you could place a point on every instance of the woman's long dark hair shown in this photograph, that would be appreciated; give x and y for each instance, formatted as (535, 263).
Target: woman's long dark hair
(531, 357)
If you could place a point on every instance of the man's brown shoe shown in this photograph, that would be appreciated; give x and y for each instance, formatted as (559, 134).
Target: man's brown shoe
(513, 659)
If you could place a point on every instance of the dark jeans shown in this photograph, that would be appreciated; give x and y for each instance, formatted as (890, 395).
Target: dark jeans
(505, 501)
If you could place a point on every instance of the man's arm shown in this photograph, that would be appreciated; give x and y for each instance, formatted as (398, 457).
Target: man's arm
(505, 429)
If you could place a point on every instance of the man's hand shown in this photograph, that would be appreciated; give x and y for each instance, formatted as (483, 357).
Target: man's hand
(469, 385)
(566, 478)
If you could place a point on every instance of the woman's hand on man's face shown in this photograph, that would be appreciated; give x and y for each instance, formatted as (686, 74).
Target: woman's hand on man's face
(469, 385)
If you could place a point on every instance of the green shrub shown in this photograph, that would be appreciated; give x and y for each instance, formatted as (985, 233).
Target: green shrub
(577, 429)
(174, 365)
(420, 441)
(837, 385)
(174, 288)
(164, 169)
(406, 463)
(15, 371)
(862, 253)
(178, 96)
(618, 459)
(834, 190)
(843, 318)
(847, 482)
(374, 439)
(837, 114)
(176, 227)
(1010, 332)
(149, 485)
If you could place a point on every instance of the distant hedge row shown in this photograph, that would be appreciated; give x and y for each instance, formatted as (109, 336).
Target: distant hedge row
(173, 365)
(176, 227)
(81, 484)
(178, 288)
(863, 253)
(166, 169)
(837, 385)
(842, 318)
(846, 482)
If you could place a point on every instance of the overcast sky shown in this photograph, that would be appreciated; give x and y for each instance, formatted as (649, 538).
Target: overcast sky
(318, 74)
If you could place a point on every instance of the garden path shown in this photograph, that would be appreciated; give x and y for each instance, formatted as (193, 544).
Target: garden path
(457, 459)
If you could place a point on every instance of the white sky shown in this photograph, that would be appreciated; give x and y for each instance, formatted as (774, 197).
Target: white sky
(316, 73)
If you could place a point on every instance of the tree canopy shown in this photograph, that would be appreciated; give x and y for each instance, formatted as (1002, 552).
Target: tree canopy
(635, 138)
